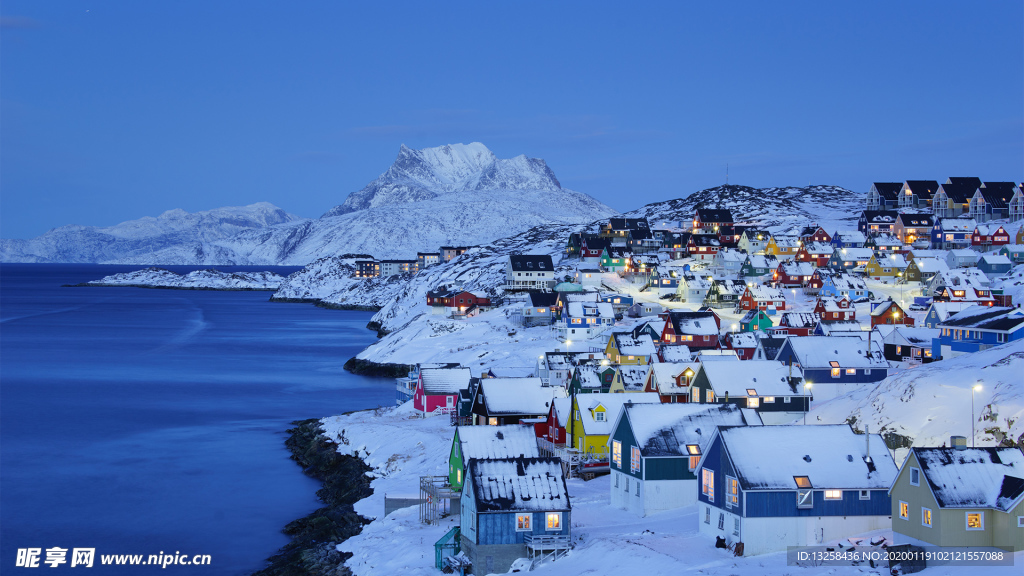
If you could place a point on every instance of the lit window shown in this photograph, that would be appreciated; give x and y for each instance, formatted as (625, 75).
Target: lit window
(835, 372)
(833, 494)
(975, 521)
(732, 491)
(707, 485)
(802, 481)
(554, 520)
(634, 459)
(694, 451)
(523, 522)
(492, 421)
(710, 396)
(617, 453)
(926, 517)
(769, 399)
(904, 510)
(753, 402)
(851, 371)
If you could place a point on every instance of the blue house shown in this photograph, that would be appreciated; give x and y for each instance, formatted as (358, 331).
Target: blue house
(512, 508)
(841, 284)
(994, 265)
(769, 487)
(835, 365)
(951, 233)
(977, 328)
(848, 239)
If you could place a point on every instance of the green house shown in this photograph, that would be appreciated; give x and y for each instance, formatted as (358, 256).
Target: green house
(488, 442)
(755, 320)
(590, 378)
(614, 259)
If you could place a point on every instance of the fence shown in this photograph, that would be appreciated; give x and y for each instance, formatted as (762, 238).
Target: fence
(448, 545)
(391, 504)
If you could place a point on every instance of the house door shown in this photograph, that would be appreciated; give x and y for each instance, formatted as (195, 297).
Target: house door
(450, 400)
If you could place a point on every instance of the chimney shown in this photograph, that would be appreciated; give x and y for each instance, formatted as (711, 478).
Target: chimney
(958, 442)
(867, 441)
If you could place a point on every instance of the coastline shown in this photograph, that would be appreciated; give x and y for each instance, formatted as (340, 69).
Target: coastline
(313, 548)
(156, 287)
(371, 368)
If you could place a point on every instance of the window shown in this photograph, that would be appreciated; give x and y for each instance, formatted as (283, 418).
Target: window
(802, 481)
(492, 421)
(707, 515)
(851, 371)
(768, 400)
(523, 522)
(835, 372)
(707, 485)
(458, 476)
(926, 517)
(694, 451)
(626, 485)
(616, 480)
(975, 520)
(634, 459)
(805, 498)
(710, 396)
(915, 477)
(736, 526)
(732, 492)
(599, 416)
(1001, 338)
(1020, 521)
(785, 400)
(637, 488)
(721, 520)
(904, 510)
(753, 402)
(865, 495)
(617, 453)
(554, 520)
(833, 494)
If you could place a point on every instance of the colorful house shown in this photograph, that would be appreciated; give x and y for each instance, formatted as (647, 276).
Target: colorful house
(583, 320)
(989, 235)
(850, 239)
(845, 259)
(629, 378)
(978, 328)
(872, 222)
(591, 420)
(501, 401)
(884, 195)
(949, 233)
(703, 247)
(709, 220)
(953, 197)
(1015, 252)
(991, 201)
(910, 228)
(782, 247)
(815, 253)
(671, 380)
(725, 293)
(917, 194)
(889, 266)
(758, 265)
(762, 297)
(772, 487)
(993, 265)
(834, 366)
(753, 241)
(655, 450)
(489, 443)
(841, 284)
(793, 274)
(614, 259)
(814, 233)
(437, 390)
(960, 496)
(772, 389)
(755, 320)
(829, 309)
(591, 379)
(889, 313)
(512, 508)
(697, 330)
(625, 348)
(796, 323)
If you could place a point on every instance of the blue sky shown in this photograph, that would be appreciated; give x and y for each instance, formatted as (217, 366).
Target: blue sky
(111, 111)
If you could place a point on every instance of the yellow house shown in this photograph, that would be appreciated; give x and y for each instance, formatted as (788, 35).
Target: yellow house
(629, 378)
(782, 247)
(593, 416)
(889, 266)
(625, 348)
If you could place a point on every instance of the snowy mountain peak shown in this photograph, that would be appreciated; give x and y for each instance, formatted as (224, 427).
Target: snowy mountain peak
(424, 174)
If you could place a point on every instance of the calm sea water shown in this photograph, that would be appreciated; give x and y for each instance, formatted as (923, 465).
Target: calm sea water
(141, 421)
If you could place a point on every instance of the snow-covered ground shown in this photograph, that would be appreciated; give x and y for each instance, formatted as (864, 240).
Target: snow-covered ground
(197, 280)
(402, 447)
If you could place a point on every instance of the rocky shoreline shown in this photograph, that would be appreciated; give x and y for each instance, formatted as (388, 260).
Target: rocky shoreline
(322, 304)
(159, 287)
(370, 368)
(312, 551)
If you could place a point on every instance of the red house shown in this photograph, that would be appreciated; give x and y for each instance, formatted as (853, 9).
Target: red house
(814, 285)
(763, 298)
(558, 417)
(696, 330)
(793, 274)
(593, 247)
(814, 233)
(711, 220)
(703, 247)
(671, 381)
(437, 390)
(989, 235)
(816, 253)
(834, 309)
(460, 299)
(889, 312)
(744, 343)
(795, 324)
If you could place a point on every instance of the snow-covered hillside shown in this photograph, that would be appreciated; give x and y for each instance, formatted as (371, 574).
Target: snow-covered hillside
(779, 210)
(197, 280)
(450, 195)
(189, 238)
(932, 402)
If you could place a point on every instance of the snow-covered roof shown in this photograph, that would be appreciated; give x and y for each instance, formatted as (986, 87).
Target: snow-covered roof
(891, 261)
(762, 292)
(516, 396)
(831, 456)
(819, 248)
(724, 256)
(975, 477)
(665, 374)
(581, 309)
(930, 265)
(708, 355)
(666, 429)
(563, 407)
(589, 376)
(944, 309)
(843, 281)
(821, 351)
(676, 353)
(883, 308)
(996, 260)
(743, 340)
(764, 377)
(851, 254)
(850, 235)
(612, 403)
(842, 328)
(513, 484)
(509, 441)
(632, 377)
(916, 336)
(695, 281)
(958, 224)
(443, 381)
(693, 323)
(1000, 318)
(763, 261)
(798, 319)
(786, 241)
(831, 304)
(629, 345)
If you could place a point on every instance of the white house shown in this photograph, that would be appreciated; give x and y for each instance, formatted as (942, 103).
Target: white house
(528, 271)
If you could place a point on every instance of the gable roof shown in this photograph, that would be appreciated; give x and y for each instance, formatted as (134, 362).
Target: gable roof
(628, 224)
(973, 478)
(1000, 318)
(923, 189)
(509, 441)
(820, 351)
(444, 381)
(888, 190)
(830, 455)
(960, 190)
(916, 220)
(714, 215)
(516, 396)
(612, 403)
(879, 216)
(513, 484)
(998, 194)
(531, 262)
(539, 298)
(764, 377)
(798, 319)
(693, 323)
(666, 429)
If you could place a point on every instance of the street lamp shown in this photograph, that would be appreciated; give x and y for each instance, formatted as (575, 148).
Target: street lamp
(976, 388)
(807, 390)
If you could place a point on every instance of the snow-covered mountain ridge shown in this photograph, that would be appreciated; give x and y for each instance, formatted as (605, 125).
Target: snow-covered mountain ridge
(449, 195)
